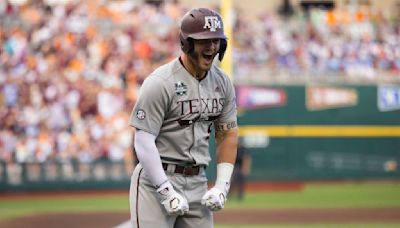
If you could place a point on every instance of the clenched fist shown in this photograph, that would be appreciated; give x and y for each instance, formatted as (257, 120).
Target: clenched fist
(173, 202)
(215, 198)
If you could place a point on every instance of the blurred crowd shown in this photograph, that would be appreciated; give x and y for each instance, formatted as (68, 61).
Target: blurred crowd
(70, 73)
(350, 42)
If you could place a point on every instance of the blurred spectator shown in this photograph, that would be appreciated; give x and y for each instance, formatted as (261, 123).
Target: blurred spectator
(240, 172)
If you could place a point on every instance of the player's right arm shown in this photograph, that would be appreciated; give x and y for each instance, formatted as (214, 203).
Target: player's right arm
(147, 117)
(149, 158)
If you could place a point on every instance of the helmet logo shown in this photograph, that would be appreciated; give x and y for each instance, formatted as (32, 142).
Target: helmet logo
(212, 23)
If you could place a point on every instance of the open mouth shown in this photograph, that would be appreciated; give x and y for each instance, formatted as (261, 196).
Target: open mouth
(208, 57)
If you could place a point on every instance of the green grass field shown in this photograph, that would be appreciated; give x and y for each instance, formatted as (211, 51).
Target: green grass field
(15, 208)
(347, 195)
(351, 195)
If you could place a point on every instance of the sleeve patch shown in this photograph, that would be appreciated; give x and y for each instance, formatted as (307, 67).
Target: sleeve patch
(141, 114)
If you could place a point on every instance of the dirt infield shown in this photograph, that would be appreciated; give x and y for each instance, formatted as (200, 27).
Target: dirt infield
(259, 216)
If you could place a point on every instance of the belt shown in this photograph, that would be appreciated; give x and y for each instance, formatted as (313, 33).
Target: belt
(190, 170)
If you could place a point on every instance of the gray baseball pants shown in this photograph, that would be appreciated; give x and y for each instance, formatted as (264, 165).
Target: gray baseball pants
(148, 212)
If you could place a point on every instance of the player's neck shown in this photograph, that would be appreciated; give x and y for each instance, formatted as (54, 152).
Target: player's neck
(191, 68)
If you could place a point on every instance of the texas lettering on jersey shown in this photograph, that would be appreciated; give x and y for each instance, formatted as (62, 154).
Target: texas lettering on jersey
(212, 107)
(208, 105)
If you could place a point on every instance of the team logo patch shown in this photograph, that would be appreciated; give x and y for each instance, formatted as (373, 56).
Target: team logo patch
(212, 23)
(180, 88)
(141, 114)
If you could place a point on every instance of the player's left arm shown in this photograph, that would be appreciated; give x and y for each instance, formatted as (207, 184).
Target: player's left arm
(226, 151)
(226, 131)
(226, 137)
(226, 142)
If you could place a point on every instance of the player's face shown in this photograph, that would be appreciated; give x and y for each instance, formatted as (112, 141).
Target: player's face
(204, 53)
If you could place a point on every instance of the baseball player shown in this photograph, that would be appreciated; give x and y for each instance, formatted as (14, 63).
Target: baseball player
(178, 106)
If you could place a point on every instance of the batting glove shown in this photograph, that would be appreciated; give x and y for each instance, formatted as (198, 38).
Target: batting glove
(173, 202)
(215, 198)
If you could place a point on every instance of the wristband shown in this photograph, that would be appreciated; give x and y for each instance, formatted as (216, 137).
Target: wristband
(224, 174)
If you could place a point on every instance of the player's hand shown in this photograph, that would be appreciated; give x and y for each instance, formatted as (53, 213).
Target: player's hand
(173, 202)
(216, 197)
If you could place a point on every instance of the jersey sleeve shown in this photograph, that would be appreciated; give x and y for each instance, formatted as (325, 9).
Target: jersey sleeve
(228, 117)
(150, 108)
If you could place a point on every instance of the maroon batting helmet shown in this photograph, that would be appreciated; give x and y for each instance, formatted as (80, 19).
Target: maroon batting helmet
(202, 23)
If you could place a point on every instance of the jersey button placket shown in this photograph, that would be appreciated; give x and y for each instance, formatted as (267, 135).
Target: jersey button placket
(201, 100)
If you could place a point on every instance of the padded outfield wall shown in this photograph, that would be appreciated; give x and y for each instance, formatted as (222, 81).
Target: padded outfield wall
(321, 132)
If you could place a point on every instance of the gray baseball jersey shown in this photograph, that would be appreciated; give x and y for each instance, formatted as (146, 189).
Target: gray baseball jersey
(181, 111)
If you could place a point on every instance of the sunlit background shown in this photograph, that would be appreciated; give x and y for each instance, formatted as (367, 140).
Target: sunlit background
(317, 85)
